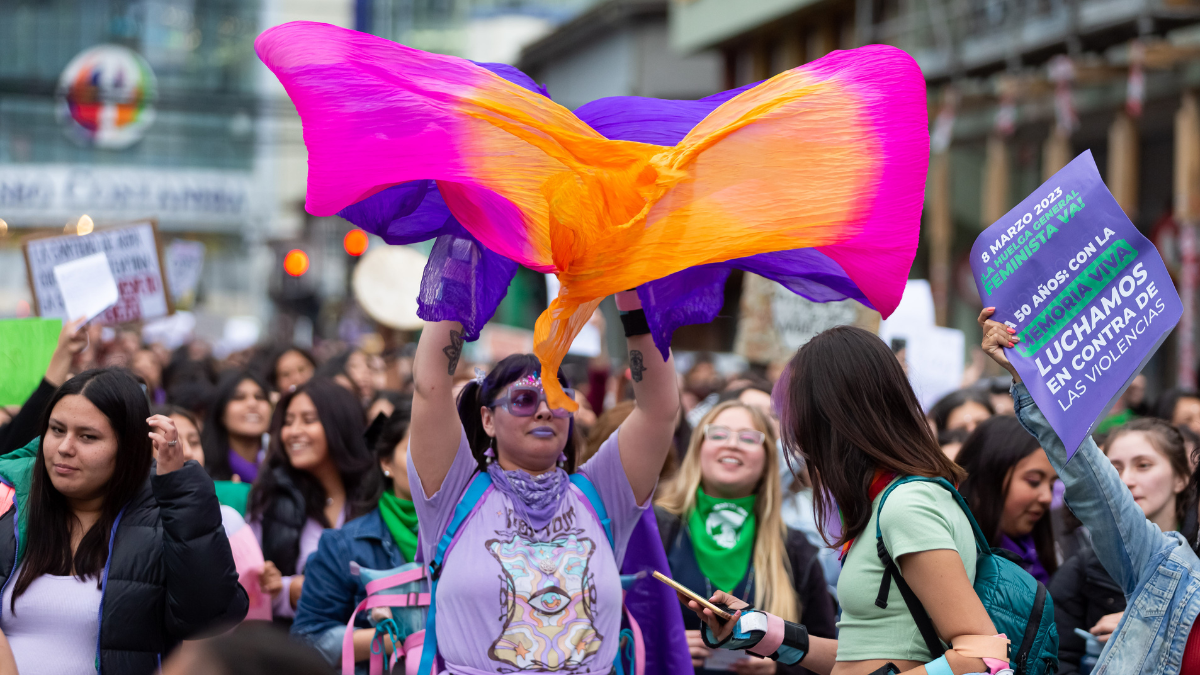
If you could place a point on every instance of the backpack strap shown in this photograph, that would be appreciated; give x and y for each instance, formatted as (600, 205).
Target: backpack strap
(592, 497)
(635, 650)
(892, 571)
(471, 499)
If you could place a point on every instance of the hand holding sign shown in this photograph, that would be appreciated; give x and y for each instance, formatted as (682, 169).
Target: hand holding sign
(1081, 299)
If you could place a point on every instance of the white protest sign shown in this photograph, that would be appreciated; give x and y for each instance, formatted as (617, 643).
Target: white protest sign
(133, 258)
(934, 355)
(87, 286)
(589, 341)
(185, 262)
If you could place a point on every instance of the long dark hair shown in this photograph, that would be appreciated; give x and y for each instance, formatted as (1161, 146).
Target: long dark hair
(940, 412)
(342, 419)
(844, 402)
(392, 433)
(1164, 408)
(989, 455)
(117, 395)
(215, 436)
(273, 368)
(475, 396)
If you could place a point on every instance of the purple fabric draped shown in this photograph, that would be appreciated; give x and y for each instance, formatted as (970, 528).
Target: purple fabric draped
(463, 280)
(653, 604)
(696, 295)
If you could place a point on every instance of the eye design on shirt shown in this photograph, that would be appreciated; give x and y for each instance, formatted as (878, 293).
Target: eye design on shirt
(549, 600)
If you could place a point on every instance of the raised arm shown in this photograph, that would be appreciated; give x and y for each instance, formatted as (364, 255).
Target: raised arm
(1123, 538)
(436, 430)
(645, 436)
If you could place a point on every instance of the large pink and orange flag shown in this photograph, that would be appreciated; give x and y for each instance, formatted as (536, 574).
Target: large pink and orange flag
(821, 166)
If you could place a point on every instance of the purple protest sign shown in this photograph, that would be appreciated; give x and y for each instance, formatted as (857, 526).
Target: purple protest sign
(1088, 295)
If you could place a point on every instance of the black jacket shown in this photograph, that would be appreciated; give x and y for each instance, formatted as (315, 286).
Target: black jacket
(170, 577)
(282, 522)
(808, 580)
(1083, 593)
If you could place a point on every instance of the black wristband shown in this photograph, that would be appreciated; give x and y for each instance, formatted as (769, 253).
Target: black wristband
(635, 323)
(796, 636)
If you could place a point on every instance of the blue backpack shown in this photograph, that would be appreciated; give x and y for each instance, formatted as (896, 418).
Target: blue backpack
(402, 588)
(1018, 604)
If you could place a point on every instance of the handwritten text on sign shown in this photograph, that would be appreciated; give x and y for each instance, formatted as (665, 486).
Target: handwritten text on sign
(132, 252)
(1088, 295)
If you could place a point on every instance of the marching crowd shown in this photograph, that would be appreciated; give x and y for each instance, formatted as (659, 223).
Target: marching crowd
(169, 511)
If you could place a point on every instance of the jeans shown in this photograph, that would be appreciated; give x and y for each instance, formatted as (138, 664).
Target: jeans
(1158, 572)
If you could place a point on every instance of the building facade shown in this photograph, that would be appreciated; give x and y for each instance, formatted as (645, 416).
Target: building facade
(1016, 89)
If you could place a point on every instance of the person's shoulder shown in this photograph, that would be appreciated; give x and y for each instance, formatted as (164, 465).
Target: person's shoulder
(370, 523)
(16, 466)
(920, 500)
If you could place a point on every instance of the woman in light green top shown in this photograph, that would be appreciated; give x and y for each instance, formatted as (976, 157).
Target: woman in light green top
(845, 402)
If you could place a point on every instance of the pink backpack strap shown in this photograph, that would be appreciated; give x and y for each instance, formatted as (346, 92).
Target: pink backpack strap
(639, 645)
(377, 599)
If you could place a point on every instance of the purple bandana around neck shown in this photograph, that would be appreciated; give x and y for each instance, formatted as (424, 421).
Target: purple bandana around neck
(247, 471)
(1027, 550)
(534, 498)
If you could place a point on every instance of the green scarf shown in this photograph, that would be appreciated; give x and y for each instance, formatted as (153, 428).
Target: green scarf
(722, 533)
(400, 516)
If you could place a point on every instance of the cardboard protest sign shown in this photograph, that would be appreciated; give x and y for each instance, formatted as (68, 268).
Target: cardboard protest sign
(26, 346)
(134, 258)
(1088, 295)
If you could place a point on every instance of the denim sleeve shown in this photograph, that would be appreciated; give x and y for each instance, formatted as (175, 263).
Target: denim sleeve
(1124, 540)
(329, 591)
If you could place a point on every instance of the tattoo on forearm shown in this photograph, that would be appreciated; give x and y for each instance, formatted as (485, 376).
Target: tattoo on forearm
(453, 351)
(637, 365)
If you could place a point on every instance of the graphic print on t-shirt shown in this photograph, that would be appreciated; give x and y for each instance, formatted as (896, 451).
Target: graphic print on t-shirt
(548, 596)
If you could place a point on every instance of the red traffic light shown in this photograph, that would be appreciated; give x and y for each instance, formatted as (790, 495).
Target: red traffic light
(355, 242)
(295, 262)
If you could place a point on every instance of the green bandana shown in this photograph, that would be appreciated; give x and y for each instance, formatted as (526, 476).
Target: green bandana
(722, 537)
(400, 516)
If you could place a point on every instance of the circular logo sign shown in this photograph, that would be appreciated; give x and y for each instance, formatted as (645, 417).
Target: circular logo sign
(105, 97)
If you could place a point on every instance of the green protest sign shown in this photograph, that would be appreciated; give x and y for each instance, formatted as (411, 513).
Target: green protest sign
(26, 346)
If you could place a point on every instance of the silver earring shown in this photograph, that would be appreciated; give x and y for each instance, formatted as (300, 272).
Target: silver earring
(387, 474)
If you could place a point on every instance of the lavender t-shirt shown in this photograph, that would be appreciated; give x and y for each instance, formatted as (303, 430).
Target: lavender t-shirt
(511, 598)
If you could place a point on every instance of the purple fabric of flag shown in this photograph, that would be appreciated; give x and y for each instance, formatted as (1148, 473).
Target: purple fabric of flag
(465, 282)
(653, 604)
(696, 295)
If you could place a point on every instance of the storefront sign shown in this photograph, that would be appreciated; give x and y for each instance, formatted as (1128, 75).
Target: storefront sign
(1088, 295)
(52, 194)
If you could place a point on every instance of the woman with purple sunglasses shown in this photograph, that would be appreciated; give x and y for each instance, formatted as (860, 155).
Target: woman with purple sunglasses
(533, 554)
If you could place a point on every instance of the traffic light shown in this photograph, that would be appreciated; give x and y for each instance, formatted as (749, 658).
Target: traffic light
(355, 242)
(295, 262)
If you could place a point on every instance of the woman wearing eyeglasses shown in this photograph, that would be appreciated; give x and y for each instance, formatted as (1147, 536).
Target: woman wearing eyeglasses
(533, 552)
(723, 530)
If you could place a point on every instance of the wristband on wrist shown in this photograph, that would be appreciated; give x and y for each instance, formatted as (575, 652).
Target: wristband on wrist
(938, 666)
(709, 641)
(635, 323)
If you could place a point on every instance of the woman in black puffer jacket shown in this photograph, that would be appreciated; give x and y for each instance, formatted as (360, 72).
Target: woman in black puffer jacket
(318, 474)
(107, 562)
